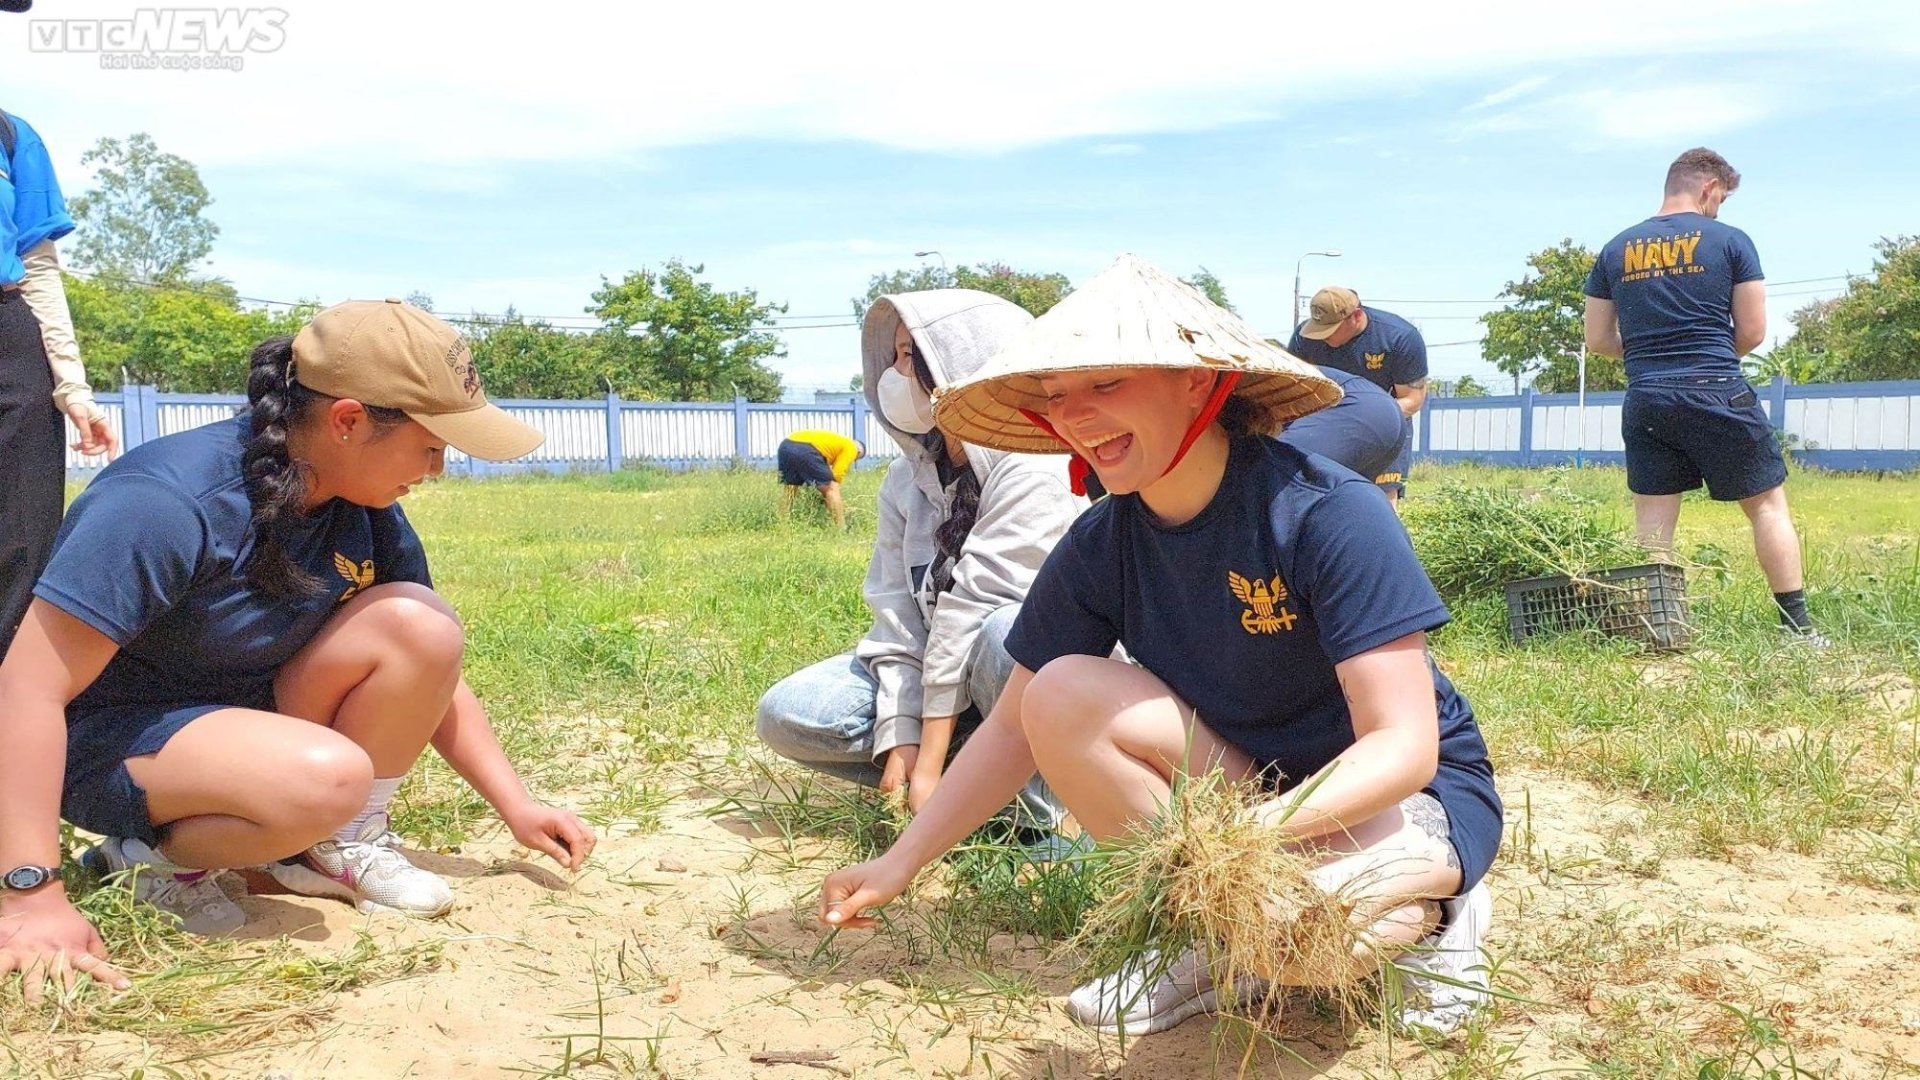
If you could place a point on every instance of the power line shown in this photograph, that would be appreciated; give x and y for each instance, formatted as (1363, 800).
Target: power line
(792, 322)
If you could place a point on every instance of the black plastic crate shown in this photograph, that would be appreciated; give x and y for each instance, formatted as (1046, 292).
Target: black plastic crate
(1647, 603)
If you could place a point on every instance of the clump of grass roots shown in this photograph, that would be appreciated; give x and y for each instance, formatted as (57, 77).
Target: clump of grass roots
(1207, 874)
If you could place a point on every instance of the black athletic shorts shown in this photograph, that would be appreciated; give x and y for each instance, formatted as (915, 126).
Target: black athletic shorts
(803, 463)
(1682, 431)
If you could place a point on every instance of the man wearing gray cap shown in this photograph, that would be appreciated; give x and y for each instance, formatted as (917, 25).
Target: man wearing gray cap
(1378, 346)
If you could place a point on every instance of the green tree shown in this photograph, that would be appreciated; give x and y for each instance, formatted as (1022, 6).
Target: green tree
(1806, 356)
(1035, 292)
(1206, 282)
(521, 359)
(1464, 386)
(1542, 330)
(188, 339)
(1873, 332)
(694, 342)
(143, 217)
(917, 279)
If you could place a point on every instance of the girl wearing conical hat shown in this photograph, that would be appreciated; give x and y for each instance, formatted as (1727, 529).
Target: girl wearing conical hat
(1278, 619)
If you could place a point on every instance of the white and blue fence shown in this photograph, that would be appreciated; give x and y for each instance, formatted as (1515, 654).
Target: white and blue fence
(1862, 426)
(581, 435)
(1844, 426)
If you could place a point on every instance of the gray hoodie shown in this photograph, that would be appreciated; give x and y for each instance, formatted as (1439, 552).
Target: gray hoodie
(918, 647)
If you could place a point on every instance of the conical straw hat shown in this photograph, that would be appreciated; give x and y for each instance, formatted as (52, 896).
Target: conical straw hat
(1133, 314)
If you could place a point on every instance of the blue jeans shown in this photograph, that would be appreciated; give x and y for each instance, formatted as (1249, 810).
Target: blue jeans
(822, 716)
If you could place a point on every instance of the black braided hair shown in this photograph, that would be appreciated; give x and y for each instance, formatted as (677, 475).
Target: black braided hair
(950, 535)
(276, 483)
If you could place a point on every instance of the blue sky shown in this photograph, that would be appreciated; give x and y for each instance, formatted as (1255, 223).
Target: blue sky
(490, 158)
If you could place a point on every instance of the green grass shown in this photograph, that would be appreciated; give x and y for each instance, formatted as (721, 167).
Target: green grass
(620, 630)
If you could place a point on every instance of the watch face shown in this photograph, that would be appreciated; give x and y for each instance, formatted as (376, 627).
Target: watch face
(26, 877)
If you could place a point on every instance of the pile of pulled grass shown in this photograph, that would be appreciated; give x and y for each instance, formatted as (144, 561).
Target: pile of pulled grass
(1474, 540)
(1208, 874)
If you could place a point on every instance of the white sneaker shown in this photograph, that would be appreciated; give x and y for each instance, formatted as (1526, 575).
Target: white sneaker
(1805, 637)
(1449, 969)
(1124, 1003)
(193, 897)
(368, 872)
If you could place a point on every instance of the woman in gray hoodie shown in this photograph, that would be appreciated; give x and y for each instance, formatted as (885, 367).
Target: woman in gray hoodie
(962, 531)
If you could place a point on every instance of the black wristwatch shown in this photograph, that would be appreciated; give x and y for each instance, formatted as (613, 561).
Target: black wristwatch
(22, 878)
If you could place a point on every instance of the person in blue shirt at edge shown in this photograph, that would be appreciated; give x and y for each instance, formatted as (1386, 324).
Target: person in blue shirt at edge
(1377, 345)
(239, 627)
(1223, 560)
(1681, 298)
(41, 377)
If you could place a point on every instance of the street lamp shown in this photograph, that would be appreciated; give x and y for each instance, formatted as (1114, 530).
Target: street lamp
(1296, 280)
(944, 279)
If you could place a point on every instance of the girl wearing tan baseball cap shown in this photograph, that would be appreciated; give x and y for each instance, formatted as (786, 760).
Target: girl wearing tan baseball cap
(1277, 618)
(239, 645)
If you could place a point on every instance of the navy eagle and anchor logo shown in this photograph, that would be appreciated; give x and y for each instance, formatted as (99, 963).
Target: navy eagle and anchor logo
(358, 577)
(1266, 613)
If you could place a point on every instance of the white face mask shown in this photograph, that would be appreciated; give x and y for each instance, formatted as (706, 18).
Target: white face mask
(906, 406)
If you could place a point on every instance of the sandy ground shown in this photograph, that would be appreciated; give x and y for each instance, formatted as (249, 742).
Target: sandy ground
(687, 951)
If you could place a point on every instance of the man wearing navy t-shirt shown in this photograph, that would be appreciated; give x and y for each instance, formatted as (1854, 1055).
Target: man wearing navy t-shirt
(1377, 345)
(1681, 298)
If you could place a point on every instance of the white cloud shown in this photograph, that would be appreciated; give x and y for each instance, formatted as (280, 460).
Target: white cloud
(1659, 111)
(1508, 93)
(359, 84)
(1119, 149)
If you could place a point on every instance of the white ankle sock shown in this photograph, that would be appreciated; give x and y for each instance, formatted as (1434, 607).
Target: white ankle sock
(377, 800)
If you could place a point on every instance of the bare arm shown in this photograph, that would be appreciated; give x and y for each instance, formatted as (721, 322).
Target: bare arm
(467, 741)
(1410, 396)
(1603, 328)
(1396, 747)
(989, 770)
(1749, 316)
(54, 657)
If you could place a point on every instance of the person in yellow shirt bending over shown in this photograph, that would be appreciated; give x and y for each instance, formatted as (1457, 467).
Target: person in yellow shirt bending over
(820, 459)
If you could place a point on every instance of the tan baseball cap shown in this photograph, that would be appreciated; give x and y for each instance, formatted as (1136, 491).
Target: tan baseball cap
(392, 354)
(1331, 306)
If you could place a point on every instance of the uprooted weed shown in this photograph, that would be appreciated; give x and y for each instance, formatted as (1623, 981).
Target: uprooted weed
(1206, 874)
(1473, 540)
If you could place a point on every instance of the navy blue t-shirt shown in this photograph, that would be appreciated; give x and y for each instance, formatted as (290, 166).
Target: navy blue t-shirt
(1295, 565)
(1389, 352)
(1671, 281)
(153, 555)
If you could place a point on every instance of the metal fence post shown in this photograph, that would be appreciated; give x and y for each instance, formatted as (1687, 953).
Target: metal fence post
(150, 411)
(616, 453)
(1427, 410)
(741, 443)
(860, 419)
(1777, 400)
(1526, 427)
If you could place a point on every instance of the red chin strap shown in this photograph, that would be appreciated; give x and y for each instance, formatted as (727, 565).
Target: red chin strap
(1078, 468)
